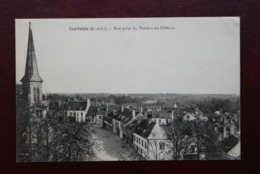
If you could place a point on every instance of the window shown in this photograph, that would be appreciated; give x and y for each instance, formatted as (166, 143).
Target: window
(34, 94)
(38, 94)
(81, 113)
(161, 146)
(160, 121)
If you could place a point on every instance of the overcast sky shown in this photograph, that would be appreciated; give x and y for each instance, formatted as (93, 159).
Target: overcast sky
(201, 55)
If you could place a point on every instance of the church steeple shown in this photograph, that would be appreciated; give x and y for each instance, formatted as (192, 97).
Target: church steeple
(31, 70)
(31, 81)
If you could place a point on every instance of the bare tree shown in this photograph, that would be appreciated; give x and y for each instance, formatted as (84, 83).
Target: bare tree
(154, 150)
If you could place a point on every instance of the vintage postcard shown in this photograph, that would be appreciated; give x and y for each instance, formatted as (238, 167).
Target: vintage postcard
(127, 89)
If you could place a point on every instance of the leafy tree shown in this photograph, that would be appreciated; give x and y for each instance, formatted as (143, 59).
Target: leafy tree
(71, 142)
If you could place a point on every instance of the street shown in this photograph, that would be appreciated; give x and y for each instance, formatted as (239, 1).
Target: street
(107, 146)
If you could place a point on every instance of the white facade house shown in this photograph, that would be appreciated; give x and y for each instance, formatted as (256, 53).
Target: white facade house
(235, 151)
(159, 146)
(151, 142)
(160, 117)
(140, 145)
(117, 129)
(161, 121)
(77, 111)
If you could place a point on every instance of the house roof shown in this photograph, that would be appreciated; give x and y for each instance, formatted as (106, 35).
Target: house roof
(229, 143)
(114, 107)
(127, 116)
(159, 114)
(77, 105)
(92, 111)
(113, 114)
(101, 112)
(158, 132)
(131, 126)
(57, 106)
(108, 119)
(144, 128)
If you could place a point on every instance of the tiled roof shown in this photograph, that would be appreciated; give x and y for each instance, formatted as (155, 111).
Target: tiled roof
(92, 111)
(126, 116)
(229, 143)
(159, 114)
(132, 125)
(113, 114)
(101, 112)
(77, 105)
(113, 107)
(108, 119)
(144, 128)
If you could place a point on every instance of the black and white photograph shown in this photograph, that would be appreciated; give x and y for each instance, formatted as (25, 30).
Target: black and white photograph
(127, 89)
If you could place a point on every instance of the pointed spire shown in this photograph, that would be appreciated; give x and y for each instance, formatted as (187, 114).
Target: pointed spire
(31, 70)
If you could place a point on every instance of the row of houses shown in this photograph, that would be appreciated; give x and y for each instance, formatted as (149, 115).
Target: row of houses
(142, 131)
(143, 128)
(147, 131)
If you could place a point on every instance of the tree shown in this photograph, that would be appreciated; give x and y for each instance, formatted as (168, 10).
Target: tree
(207, 137)
(71, 142)
(175, 134)
(22, 123)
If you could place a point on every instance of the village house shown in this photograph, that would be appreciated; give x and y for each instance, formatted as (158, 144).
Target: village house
(130, 106)
(225, 124)
(91, 114)
(108, 122)
(125, 117)
(150, 141)
(98, 118)
(231, 146)
(160, 117)
(116, 123)
(77, 111)
(153, 107)
(99, 101)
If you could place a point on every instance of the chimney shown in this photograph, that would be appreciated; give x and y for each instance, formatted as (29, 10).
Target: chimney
(172, 116)
(133, 113)
(122, 108)
(150, 121)
(59, 102)
(141, 109)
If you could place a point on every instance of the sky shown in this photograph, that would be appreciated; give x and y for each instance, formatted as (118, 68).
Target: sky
(195, 56)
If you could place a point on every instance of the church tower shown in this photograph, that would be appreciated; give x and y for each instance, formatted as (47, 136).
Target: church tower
(31, 81)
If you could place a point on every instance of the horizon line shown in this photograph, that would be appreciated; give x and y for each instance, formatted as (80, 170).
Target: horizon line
(139, 93)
